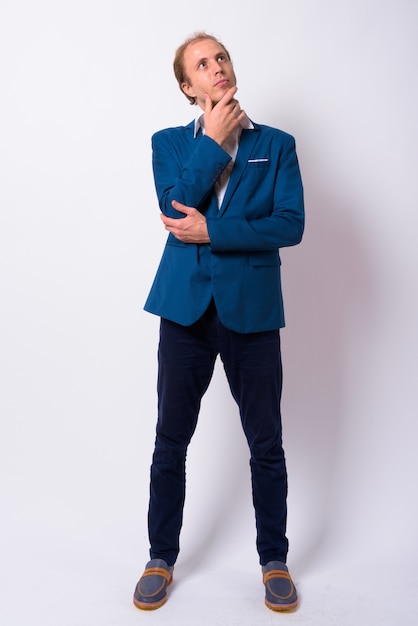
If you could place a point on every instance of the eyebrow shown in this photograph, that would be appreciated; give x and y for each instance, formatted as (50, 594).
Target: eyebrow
(220, 52)
(199, 61)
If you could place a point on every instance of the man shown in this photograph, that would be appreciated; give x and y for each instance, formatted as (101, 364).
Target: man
(230, 195)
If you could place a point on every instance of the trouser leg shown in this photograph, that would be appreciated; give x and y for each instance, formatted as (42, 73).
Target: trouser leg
(254, 370)
(186, 362)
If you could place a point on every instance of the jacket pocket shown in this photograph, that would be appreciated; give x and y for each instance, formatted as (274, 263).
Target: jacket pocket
(256, 163)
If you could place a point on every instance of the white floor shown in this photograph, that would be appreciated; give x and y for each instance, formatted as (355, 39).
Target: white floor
(73, 538)
(85, 575)
(73, 541)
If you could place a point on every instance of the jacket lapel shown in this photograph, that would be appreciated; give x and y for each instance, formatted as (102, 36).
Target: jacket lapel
(246, 144)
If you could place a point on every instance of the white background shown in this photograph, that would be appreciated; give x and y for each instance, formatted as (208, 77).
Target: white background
(83, 86)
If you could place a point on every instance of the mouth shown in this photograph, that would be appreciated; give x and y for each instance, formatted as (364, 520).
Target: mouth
(222, 82)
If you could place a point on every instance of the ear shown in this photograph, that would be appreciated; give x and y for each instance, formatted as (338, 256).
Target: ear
(188, 90)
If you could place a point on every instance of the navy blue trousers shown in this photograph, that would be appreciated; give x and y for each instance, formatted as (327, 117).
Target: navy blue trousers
(252, 364)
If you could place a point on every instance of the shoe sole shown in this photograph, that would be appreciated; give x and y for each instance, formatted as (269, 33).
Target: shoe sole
(150, 606)
(281, 607)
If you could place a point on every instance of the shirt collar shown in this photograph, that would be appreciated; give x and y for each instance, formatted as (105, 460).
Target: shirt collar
(199, 122)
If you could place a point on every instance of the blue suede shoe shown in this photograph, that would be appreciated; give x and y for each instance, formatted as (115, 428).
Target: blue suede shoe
(280, 591)
(151, 590)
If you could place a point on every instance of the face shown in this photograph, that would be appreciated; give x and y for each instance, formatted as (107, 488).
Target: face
(208, 70)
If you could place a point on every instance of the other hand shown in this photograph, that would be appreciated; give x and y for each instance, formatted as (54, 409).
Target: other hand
(190, 229)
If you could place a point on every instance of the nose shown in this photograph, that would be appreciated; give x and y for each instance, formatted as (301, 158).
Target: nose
(217, 67)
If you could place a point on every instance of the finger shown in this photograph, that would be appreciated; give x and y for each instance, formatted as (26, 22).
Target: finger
(182, 207)
(208, 104)
(167, 221)
(229, 95)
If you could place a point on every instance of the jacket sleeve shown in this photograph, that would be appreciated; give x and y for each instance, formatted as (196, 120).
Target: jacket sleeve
(188, 179)
(283, 223)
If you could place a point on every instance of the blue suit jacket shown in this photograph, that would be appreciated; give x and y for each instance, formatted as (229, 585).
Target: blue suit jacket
(262, 211)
